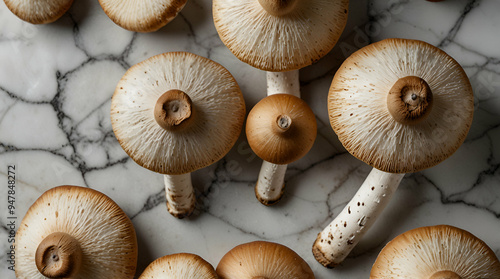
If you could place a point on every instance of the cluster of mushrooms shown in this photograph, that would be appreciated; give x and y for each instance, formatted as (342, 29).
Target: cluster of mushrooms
(398, 105)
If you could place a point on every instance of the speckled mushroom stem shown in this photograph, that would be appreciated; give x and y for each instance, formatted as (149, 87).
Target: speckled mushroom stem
(270, 185)
(180, 195)
(335, 242)
(58, 256)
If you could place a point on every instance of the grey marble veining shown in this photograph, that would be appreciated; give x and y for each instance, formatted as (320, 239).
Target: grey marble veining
(56, 83)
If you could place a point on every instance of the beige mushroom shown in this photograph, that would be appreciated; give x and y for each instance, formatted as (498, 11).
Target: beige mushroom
(75, 232)
(280, 129)
(182, 265)
(400, 106)
(436, 252)
(175, 113)
(261, 259)
(38, 11)
(142, 15)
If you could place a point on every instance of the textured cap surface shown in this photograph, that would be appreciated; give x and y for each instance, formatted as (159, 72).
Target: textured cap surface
(38, 11)
(181, 265)
(140, 15)
(219, 112)
(358, 110)
(280, 43)
(105, 234)
(422, 252)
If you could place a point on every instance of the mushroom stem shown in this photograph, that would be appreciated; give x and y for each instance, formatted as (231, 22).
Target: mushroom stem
(180, 195)
(58, 256)
(270, 185)
(278, 7)
(445, 274)
(173, 110)
(335, 242)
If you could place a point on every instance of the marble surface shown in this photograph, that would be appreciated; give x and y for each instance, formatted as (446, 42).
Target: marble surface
(56, 82)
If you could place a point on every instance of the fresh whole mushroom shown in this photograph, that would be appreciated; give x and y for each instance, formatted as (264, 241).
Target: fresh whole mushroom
(400, 106)
(75, 232)
(142, 15)
(436, 252)
(182, 265)
(279, 37)
(175, 113)
(38, 11)
(262, 259)
(280, 129)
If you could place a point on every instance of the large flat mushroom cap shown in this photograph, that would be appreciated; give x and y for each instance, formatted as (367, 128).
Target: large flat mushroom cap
(280, 43)
(425, 251)
(182, 265)
(358, 110)
(262, 259)
(38, 11)
(219, 112)
(105, 233)
(140, 15)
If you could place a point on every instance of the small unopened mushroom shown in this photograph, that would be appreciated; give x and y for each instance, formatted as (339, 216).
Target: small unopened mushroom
(175, 113)
(261, 259)
(182, 265)
(75, 232)
(436, 252)
(38, 11)
(142, 15)
(400, 106)
(280, 129)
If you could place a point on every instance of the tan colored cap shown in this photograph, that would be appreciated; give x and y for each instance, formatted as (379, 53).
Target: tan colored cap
(401, 105)
(38, 11)
(142, 16)
(181, 265)
(277, 35)
(281, 128)
(437, 252)
(261, 259)
(75, 232)
(177, 112)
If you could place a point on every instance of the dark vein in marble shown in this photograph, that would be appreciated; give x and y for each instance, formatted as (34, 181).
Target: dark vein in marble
(471, 4)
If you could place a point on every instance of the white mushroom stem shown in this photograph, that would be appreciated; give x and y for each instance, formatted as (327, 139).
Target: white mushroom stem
(270, 185)
(180, 194)
(335, 242)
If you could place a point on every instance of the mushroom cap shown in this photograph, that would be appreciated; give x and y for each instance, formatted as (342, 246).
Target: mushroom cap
(38, 11)
(281, 145)
(105, 233)
(182, 265)
(422, 252)
(218, 104)
(280, 43)
(261, 259)
(142, 16)
(358, 110)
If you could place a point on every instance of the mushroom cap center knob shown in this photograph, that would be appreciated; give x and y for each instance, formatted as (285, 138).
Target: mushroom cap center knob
(58, 256)
(410, 100)
(445, 274)
(278, 7)
(173, 110)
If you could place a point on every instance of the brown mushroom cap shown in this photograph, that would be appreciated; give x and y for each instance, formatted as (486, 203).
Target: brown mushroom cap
(182, 265)
(206, 89)
(420, 83)
(306, 32)
(142, 16)
(81, 217)
(38, 11)
(281, 128)
(436, 252)
(261, 259)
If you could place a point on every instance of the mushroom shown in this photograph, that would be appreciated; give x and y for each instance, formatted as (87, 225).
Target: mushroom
(182, 265)
(262, 259)
(75, 232)
(175, 113)
(436, 252)
(280, 129)
(400, 106)
(38, 11)
(279, 36)
(142, 16)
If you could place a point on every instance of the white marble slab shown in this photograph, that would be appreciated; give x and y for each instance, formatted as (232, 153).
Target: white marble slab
(56, 82)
